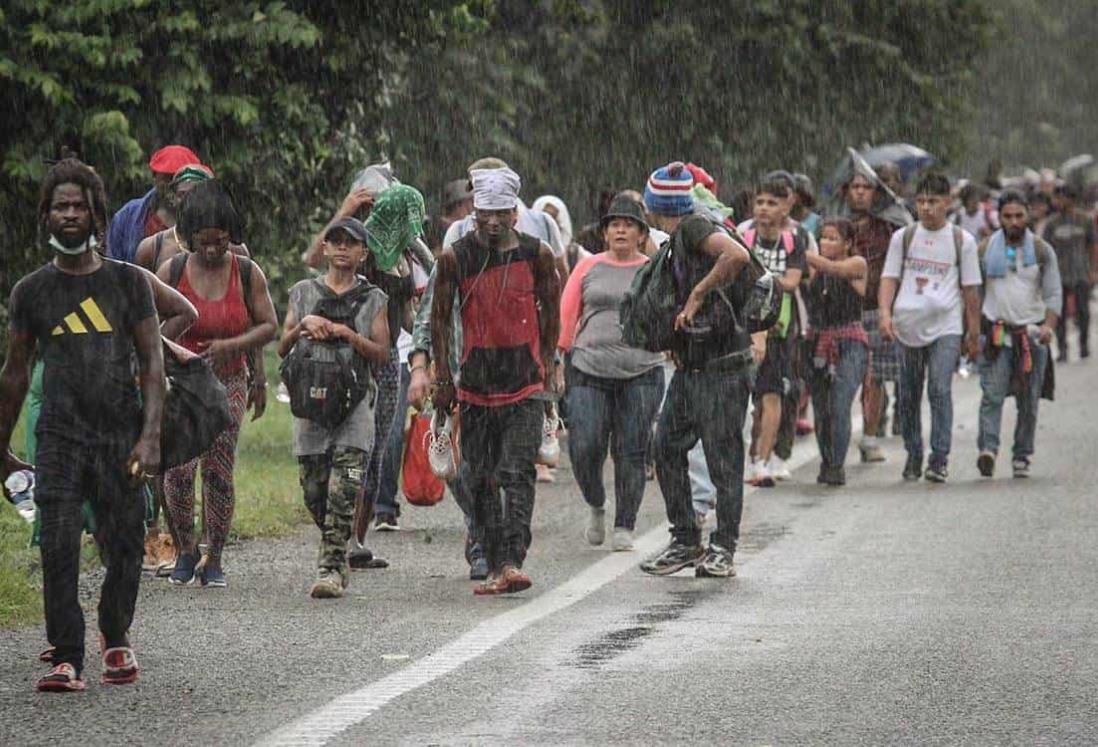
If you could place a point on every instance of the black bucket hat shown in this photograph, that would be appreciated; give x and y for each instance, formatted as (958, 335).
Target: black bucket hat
(625, 207)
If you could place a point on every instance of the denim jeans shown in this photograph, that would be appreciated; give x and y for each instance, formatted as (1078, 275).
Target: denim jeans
(995, 376)
(391, 446)
(614, 415)
(933, 365)
(500, 444)
(711, 406)
(832, 398)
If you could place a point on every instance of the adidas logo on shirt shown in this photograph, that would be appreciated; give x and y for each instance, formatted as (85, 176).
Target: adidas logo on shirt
(78, 324)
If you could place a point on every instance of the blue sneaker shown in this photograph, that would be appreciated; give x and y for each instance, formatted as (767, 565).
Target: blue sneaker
(213, 577)
(184, 569)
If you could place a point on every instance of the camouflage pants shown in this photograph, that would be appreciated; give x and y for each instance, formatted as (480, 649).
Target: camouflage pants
(331, 483)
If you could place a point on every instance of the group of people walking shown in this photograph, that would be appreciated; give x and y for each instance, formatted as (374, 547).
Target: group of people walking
(499, 318)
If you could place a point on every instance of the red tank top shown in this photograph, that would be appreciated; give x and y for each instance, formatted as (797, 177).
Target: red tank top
(218, 319)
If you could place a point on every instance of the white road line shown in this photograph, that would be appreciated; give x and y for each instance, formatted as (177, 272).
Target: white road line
(328, 721)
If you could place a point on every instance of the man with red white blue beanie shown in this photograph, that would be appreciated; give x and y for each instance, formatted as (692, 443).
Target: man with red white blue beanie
(710, 369)
(668, 191)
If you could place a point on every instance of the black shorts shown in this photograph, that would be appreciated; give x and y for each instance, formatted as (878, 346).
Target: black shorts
(775, 372)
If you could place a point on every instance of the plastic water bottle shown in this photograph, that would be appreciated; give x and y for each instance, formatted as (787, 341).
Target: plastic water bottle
(963, 368)
(20, 487)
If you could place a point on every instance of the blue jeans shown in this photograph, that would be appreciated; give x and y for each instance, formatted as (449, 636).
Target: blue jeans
(391, 446)
(832, 398)
(995, 379)
(710, 406)
(614, 415)
(933, 365)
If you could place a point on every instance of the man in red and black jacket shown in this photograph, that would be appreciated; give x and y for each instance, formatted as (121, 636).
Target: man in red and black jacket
(508, 293)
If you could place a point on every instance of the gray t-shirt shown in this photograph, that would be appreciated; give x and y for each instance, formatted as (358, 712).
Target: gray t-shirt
(590, 324)
(357, 430)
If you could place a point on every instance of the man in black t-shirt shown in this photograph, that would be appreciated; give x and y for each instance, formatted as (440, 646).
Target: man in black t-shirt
(708, 394)
(88, 319)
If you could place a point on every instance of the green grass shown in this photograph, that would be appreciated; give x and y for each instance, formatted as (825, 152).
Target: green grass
(268, 504)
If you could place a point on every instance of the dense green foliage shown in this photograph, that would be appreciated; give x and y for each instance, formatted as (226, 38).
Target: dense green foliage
(286, 99)
(1036, 90)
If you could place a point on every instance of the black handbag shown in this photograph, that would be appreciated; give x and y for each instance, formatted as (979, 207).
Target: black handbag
(196, 408)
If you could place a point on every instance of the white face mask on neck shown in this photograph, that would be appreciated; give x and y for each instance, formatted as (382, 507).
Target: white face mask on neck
(77, 250)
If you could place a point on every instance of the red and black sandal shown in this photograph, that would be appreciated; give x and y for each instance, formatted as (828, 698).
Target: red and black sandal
(61, 679)
(119, 666)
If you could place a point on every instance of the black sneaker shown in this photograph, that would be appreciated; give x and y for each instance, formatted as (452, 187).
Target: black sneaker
(936, 472)
(386, 523)
(835, 476)
(716, 564)
(676, 557)
(986, 463)
(913, 469)
(478, 568)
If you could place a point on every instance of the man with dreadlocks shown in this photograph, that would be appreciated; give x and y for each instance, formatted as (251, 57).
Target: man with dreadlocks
(87, 318)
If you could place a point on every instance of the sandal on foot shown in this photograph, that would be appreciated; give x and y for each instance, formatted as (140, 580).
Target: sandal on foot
(61, 679)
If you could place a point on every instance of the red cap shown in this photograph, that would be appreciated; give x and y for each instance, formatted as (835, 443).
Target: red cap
(702, 177)
(171, 158)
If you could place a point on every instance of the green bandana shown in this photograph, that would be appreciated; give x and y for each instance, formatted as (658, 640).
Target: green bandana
(395, 221)
(192, 173)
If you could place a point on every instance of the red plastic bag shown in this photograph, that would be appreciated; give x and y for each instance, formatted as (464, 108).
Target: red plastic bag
(417, 481)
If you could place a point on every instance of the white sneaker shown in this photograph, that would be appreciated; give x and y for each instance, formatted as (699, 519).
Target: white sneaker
(442, 455)
(778, 470)
(549, 451)
(595, 533)
(623, 539)
(763, 476)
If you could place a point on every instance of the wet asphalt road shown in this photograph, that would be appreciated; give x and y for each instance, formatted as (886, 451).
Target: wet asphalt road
(884, 612)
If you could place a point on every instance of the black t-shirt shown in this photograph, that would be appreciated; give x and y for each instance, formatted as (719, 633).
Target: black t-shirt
(692, 264)
(84, 326)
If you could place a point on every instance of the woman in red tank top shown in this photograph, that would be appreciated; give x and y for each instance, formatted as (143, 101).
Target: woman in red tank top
(229, 326)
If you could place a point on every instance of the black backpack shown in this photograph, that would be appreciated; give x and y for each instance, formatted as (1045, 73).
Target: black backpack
(325, 382)
(196, 408)
(750, 303)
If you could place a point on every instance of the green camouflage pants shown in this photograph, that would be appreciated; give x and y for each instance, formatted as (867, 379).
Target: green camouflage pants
(331, 482)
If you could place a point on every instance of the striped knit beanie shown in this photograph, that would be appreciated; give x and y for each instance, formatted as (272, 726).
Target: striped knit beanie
(668, 190)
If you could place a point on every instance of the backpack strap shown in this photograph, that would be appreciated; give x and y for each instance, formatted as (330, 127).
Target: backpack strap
(175, 271)
(958, 246)
(787, 241)
(245, 266)
(158, 247)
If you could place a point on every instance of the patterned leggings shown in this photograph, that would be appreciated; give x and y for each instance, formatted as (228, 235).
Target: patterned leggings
(388, 387)
(218, 494)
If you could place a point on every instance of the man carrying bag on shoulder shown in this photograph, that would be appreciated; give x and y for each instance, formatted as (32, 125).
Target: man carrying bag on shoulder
(713, 360)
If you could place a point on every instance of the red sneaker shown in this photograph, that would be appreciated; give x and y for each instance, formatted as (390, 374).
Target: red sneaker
(61, 679)
(119, 665)
(509, 581)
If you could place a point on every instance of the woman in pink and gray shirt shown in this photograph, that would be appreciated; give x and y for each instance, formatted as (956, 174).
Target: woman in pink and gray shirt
(613, 390)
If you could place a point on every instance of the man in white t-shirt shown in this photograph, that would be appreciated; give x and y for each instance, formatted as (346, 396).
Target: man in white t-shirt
(929, 298)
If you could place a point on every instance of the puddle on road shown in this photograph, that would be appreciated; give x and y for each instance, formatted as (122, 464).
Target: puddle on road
(641, 625)
(760, 535)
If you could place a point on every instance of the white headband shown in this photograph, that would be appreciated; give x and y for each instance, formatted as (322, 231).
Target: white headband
(495, 189)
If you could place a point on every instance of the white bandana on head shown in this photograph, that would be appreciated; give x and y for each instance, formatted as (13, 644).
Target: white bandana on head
(495, 189)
